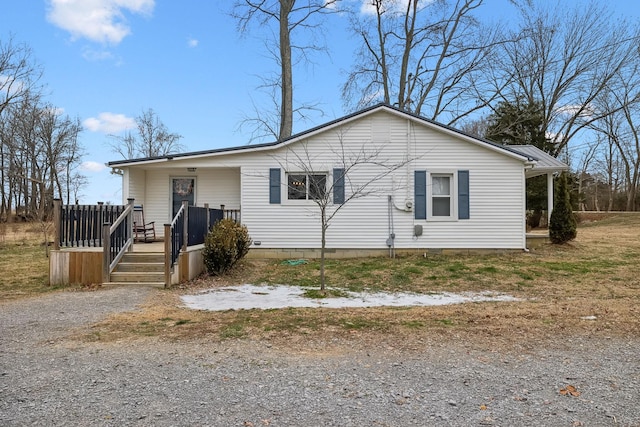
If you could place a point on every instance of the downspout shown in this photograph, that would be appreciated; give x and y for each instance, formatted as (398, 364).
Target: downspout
(407, 195)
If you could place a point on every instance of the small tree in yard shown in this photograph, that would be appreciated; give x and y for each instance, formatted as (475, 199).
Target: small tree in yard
(226, 244)
(563, 224)
(322, 192)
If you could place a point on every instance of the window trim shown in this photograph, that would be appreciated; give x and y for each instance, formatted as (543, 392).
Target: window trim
(453, 195)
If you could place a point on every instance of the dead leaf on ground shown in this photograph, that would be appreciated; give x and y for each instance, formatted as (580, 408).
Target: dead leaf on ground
(569, 390)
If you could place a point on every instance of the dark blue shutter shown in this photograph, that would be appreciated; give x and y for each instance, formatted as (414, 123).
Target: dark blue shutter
(463, 194)
(338, 186)
(274, 185)
(420, 194)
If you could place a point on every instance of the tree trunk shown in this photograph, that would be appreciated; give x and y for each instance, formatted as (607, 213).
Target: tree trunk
(286, 102)
(322, 247)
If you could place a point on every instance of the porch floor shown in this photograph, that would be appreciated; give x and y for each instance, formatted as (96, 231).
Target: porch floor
(148, 247)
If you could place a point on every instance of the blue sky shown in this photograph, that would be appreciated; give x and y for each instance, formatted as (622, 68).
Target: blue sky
(105, 61)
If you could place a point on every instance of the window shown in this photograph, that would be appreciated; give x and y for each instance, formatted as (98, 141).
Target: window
(306, 186)
(441, 195)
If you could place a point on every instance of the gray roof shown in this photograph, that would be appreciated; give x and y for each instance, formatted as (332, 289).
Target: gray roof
(544, 162)
(250, 147)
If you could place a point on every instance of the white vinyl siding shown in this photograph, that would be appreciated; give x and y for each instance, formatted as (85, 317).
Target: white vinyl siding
(241, 180)
(496, 186)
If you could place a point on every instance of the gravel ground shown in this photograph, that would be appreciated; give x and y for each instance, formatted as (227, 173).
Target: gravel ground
(47, 378)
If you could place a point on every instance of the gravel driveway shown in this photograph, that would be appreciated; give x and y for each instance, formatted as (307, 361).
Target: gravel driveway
(48, 379)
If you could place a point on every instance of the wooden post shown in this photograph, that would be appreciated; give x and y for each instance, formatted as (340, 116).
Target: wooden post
(57, 205)
(185, 229)
(206, 206)
(99, 220)
(167, 255)
(106, 249)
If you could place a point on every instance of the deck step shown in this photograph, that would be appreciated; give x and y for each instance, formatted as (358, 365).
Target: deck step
(137, 276)
(132, 257)
(132, 267)
(154, 284)
(145, 268)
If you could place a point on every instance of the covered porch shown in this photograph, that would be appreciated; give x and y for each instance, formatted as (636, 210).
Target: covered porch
(544, 165)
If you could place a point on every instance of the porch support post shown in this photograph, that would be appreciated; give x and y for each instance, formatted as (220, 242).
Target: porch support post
(549, 196)
(57, 204)
(167, 255)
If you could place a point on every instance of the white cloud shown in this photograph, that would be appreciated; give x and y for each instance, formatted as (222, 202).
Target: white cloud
(97, 20)
(96, 55)
(579, 110)
(192, 42)
(109, 123)
(91, 166)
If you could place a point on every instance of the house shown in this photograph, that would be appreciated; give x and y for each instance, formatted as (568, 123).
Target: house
(399, 181)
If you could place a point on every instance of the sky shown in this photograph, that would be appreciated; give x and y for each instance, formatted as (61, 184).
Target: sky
(107, 61)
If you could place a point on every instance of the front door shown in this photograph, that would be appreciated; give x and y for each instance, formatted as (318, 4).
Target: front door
(182, 189)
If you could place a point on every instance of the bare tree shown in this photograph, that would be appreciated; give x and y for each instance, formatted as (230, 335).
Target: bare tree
(153, 139)
(76, 183)
(38, 147)
(429, 58)
(19, 75)
(620, 127)
(289, 16)
(609, 165)
(314, 183)
(566, 60)
(587, 156)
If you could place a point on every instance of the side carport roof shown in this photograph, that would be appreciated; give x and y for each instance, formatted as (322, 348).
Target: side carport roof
(545, 163)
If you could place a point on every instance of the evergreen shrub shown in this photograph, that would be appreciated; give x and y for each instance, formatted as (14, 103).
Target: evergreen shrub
(226, 244)
(563, 224)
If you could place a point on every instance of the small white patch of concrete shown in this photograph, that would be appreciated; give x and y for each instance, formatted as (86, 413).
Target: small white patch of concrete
(280, 296)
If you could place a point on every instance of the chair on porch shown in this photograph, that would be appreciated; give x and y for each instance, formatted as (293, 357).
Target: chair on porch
(142, 231)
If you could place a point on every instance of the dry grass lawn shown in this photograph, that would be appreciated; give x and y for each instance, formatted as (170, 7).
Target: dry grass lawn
(596, 275)
(24, 264)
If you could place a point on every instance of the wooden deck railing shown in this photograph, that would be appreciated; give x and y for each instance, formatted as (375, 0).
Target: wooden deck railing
(81, 225)
(111, 227)
(189, 228)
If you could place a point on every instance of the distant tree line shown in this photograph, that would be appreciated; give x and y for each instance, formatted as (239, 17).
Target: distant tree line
(39, 148)
(563, 78)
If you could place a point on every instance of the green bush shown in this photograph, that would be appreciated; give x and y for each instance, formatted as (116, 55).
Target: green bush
(563, 224)
(225, 245)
